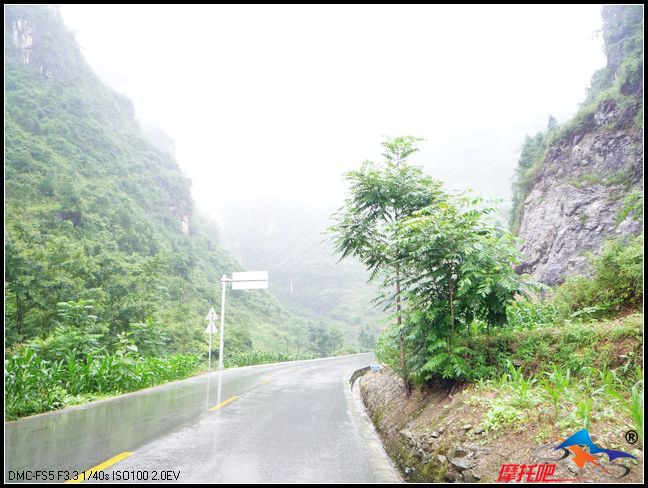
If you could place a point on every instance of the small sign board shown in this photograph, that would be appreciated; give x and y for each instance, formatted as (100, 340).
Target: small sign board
(211, 315)
(249, 280)
(211, 328)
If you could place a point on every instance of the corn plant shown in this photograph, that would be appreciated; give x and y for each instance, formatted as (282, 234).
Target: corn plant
(520, 386)
(237, 359)
(34, 385)
(635, 406)
(584, 411)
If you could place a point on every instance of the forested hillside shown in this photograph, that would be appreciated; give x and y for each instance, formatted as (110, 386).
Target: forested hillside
(97, 216)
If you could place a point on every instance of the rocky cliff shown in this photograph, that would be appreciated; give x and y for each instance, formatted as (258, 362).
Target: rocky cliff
(591, 174)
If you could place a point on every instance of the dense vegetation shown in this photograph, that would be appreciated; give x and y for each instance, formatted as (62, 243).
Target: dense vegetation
(442, 265)
(102, 242)
(74, 365)
(619, 85)
(95, 212)
(461, 313)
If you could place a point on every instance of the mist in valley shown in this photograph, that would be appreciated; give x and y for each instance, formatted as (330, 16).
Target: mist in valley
(265, 109)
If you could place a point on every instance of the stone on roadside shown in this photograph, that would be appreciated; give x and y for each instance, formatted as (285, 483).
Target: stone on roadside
(462, 463)
(451, 475)
(471, 476)
(460, 451)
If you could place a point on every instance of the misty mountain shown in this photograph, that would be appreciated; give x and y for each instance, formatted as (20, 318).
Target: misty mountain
(94, 211)
(287, 238)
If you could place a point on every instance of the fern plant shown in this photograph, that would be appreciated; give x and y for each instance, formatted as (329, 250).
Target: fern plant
(446, 360)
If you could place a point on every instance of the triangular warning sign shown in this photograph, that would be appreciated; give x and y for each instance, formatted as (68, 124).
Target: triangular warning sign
(211, 315)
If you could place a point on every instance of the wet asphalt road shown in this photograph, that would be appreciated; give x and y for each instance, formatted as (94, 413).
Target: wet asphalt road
(292, 422)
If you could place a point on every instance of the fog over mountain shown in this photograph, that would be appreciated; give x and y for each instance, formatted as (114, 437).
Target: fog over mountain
(287, 116)
(275, 124)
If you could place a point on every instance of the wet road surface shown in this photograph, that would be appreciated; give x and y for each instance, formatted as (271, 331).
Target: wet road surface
(289, 422)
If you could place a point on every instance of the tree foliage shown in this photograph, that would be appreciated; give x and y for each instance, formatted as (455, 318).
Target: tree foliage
(325, 340)
(459, 270)
(446, 264)
(380, 195)
(615, 284)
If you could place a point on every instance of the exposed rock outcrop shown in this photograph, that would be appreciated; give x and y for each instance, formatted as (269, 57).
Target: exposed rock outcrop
(575, 200)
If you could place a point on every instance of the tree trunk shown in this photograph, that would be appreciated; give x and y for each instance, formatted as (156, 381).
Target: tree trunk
(399, 324)
(452, 318)
(488, 342)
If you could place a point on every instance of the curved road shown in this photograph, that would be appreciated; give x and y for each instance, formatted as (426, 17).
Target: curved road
(296, 422)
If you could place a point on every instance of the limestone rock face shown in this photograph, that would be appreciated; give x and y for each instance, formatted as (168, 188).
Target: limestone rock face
(575, 199)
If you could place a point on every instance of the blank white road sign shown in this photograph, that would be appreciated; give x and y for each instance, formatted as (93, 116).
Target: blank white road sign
(249, 280)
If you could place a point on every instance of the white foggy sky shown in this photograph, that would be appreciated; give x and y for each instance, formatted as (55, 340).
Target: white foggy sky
(281, 100)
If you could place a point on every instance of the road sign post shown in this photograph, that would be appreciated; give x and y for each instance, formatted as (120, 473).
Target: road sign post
(249, 280)
(221, 350)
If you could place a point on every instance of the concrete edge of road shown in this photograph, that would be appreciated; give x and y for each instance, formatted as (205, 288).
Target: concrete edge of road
(195, 377)
(382, 463)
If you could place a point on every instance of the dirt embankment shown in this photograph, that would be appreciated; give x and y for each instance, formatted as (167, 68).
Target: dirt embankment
(435, 435)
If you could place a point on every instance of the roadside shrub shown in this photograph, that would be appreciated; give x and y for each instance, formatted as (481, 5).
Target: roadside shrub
(616, 283)
(529, 313)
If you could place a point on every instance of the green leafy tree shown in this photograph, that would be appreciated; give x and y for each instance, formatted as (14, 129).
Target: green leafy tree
(149, 337)
(458, 268)
(325, 340)
(77, 333)
(379, 196)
